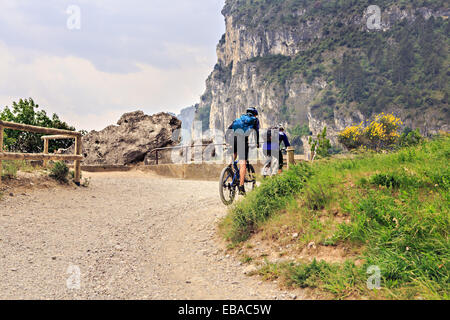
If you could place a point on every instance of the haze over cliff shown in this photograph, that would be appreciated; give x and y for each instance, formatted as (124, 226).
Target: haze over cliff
(310, 64)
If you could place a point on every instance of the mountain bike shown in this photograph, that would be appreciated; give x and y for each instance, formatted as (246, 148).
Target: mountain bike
(229, 181)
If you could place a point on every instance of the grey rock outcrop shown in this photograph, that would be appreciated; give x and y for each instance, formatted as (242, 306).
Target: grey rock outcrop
(131, 140)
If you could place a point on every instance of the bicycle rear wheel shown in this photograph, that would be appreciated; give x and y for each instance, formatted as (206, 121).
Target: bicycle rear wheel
(227, 190)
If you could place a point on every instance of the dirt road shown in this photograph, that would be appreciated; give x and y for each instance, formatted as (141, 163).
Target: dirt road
(128, 236)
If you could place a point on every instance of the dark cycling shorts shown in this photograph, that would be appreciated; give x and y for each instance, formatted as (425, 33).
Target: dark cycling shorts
(241, 146)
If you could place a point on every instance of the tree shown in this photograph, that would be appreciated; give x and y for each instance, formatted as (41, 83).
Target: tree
(25, 111)
(320, 146)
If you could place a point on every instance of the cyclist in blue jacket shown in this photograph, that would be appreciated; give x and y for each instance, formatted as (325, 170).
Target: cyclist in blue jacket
(241, 128)
(270, 147)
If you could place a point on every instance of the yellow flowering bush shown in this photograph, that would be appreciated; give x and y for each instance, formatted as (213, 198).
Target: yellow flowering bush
(350, 137)
(381, 133)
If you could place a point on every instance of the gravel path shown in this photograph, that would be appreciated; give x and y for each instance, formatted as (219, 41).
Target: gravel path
(130, 236)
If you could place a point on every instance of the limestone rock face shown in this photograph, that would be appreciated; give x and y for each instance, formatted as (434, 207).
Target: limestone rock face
(131, 140)
(240, 43)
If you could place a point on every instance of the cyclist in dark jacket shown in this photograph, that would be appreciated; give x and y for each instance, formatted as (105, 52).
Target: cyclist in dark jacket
(241, 128)
(270, 147)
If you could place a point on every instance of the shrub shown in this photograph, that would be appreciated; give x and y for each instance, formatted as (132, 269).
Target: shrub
(410, 138)
(381, 133)
(60, 172)
(350, 137)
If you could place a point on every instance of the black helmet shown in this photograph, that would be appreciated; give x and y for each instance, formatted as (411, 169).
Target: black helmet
(252, 111)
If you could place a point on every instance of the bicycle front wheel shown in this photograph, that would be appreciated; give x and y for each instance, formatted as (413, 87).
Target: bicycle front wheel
(227, 189)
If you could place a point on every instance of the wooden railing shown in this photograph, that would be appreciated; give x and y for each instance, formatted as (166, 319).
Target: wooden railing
(57, 134)
(54, 137)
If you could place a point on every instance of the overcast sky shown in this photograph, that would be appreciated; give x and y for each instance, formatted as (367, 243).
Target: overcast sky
(119, 56)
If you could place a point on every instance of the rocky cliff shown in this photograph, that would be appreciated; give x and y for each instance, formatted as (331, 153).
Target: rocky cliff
(131, 140)
(316, 63)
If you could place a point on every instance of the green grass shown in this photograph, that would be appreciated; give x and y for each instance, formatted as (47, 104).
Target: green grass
(271, 196)
(246, 259)
(11, 167)
(397, 210)
(339, 280)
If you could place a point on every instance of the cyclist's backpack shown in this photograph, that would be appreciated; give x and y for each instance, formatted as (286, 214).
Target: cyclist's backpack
(244, 123)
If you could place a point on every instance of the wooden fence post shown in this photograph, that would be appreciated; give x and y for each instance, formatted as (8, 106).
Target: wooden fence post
(291, 159)
(45, 150)
(1, 150)
(77, 165)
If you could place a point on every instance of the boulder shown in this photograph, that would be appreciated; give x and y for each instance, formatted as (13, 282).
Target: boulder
(130, 141)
